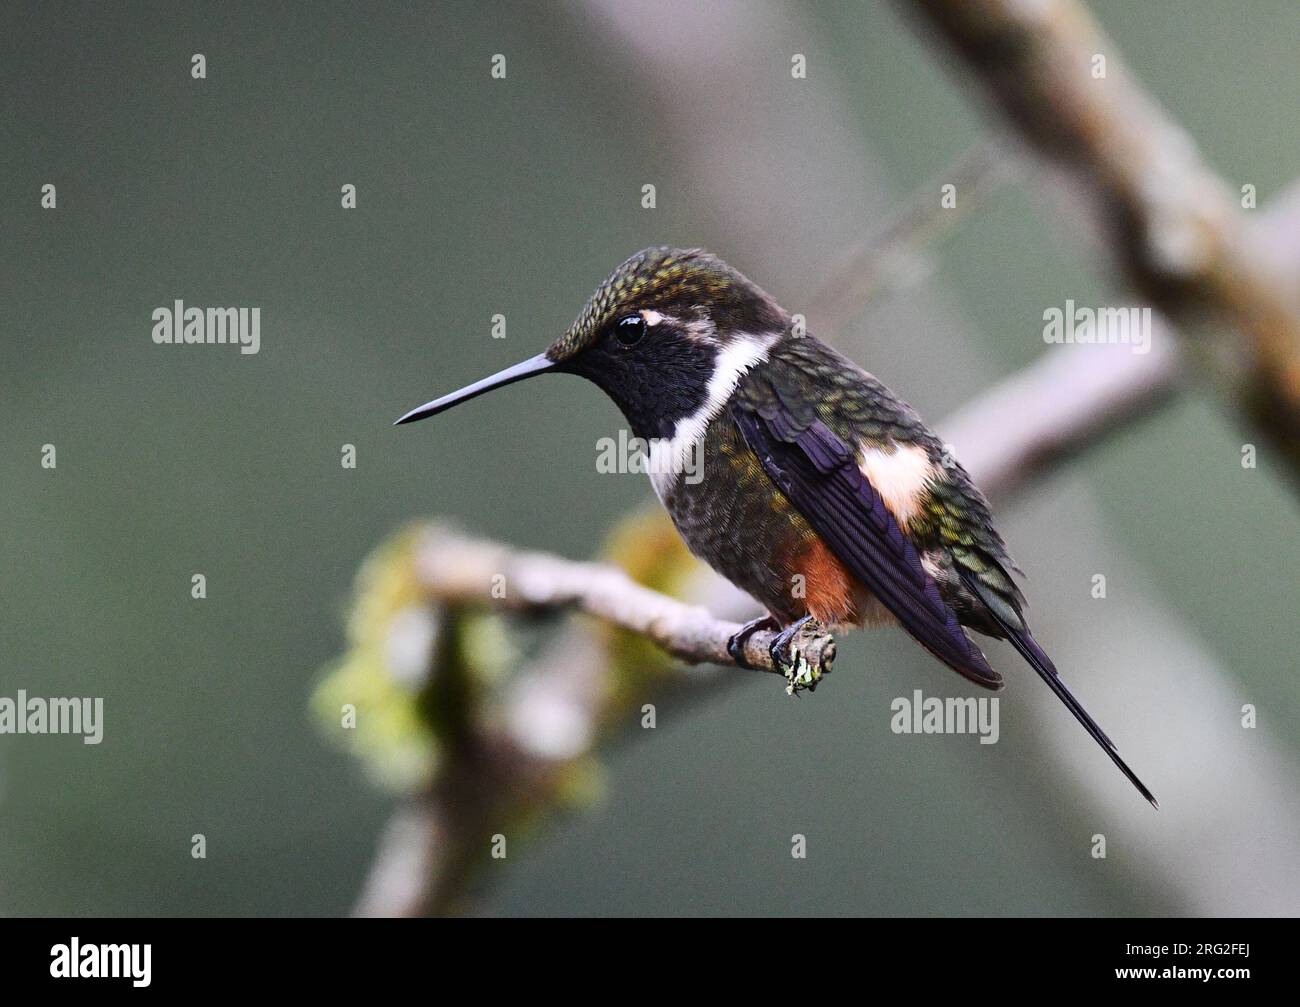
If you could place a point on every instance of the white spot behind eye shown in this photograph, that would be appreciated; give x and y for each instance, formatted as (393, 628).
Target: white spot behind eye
(651, 317)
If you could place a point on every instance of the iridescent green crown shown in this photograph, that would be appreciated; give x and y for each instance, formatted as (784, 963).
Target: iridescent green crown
(674, 281)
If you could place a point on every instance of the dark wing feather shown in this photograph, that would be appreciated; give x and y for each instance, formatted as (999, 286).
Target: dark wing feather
(819, 474)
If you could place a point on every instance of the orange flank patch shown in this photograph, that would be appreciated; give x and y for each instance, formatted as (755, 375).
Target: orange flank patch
(831, 593)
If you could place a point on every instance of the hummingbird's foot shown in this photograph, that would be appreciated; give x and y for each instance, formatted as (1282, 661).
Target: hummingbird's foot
(789, 654)
(736, 645)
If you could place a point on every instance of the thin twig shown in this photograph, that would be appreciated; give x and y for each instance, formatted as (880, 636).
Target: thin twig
(457, 569)
(886, 260)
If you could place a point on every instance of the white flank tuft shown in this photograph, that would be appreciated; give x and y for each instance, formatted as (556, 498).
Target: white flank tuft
(900, 477)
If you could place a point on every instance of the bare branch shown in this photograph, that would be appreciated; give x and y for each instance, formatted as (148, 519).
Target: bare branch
(1027, 426)
(457, 569)
(1177, 234)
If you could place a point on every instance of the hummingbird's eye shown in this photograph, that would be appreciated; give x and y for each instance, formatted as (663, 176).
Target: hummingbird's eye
(629, 330)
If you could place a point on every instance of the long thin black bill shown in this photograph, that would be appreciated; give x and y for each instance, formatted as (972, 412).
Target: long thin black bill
(534, 365)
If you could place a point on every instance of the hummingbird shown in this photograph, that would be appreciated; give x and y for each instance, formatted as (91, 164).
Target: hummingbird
(822, 494)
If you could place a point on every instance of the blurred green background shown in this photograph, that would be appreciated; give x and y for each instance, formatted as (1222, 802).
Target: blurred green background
(478, 197)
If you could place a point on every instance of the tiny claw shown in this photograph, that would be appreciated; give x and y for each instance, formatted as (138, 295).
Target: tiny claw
(736, 644)
(800, 674)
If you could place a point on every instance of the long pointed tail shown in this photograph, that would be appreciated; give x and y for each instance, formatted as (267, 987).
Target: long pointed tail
(1042, 664)
(1029, 649)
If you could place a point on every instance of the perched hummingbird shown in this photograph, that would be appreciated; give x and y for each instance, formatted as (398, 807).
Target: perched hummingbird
(815, 474)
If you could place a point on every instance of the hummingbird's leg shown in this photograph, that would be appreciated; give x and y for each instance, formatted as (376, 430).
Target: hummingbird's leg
(787, 656)
(736, 645)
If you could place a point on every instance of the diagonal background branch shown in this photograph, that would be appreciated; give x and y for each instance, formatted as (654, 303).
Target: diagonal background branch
(1175, 232)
